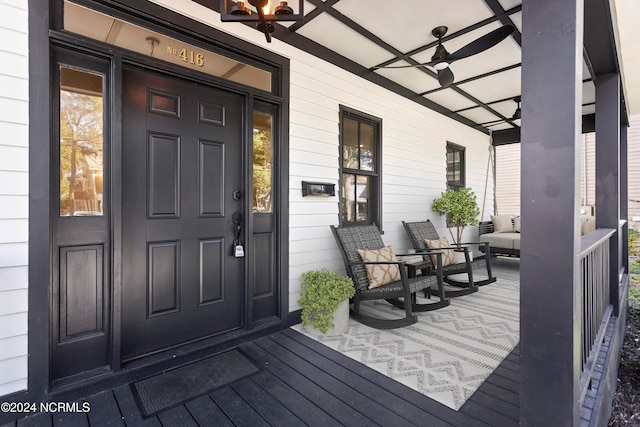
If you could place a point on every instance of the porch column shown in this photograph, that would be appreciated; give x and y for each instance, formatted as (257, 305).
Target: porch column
(608, 171)
(552, 40)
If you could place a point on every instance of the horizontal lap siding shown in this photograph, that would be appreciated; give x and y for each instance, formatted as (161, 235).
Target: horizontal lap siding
(414, 145)
(14, 204)
(633, 143)
(413, 164)
(507, 180)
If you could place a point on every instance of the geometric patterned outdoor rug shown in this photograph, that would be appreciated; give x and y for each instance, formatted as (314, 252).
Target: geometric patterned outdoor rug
(448, 353)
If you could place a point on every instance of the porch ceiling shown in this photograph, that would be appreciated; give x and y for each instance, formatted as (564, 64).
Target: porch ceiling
(360, 36)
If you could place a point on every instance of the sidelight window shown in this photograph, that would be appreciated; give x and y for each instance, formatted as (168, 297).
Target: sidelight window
(262, 162)
(81, 142)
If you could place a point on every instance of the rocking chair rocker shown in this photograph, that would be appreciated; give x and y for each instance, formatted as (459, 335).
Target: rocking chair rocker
(421, 231)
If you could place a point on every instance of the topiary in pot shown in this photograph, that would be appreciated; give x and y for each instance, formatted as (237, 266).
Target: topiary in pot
(321, 293)
(459, 208)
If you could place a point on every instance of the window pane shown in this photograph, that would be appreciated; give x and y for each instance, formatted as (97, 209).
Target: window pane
(350, 144)
(362, 199)
(455, 166)
(262, 162)
(348, 197)
(81, 142)
(367, 144)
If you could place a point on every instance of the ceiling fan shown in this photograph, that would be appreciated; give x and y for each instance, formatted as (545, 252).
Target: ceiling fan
(517, 114)
(441, 59)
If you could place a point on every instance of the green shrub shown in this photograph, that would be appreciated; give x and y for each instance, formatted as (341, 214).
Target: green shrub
(634, 267)
(634, 235)
(321, 293)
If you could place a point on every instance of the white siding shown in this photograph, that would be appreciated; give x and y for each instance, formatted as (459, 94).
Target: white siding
(508, 179)
(14, 163)
(414, 147)
(508, 173)
(633, 145)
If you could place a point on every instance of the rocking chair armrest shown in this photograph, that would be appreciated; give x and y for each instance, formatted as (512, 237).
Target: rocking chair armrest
(436, 252)
(485, 244)
(462, 246)
(474, 243)
(427, 252)
(399, 263)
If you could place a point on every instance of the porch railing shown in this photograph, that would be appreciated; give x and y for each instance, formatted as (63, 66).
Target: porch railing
(595, 297)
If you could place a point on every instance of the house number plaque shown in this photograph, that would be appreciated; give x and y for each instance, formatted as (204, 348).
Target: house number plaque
(186, 55)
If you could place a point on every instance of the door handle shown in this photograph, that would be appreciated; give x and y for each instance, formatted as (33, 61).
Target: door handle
(236, 217)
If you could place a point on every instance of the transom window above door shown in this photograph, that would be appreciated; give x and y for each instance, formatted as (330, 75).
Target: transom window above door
(108, 29)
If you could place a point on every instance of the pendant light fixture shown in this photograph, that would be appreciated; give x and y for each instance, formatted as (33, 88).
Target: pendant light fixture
(263, 12)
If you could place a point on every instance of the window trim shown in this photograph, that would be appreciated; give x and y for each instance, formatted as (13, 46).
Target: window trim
(463, 166)
(375, 195)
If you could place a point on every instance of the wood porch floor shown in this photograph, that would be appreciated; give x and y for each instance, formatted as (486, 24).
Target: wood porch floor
(302, 382)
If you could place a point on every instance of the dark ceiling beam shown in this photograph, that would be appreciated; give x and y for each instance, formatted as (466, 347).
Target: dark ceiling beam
(320, 7)
(479, 104)
(322, 52)
(599, 42)
(326, 8)
(471, 79)
(488, 103)
(459, 33)
(507, 136)
(289, 35)
(512, 136)
(600, 45)
(505, 19)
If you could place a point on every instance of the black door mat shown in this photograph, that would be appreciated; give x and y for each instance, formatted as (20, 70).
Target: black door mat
(171, 388)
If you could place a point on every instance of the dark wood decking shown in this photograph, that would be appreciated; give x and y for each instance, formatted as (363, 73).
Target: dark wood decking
(302, 382)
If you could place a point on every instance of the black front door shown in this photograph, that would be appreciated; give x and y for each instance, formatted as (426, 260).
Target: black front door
(182, 176)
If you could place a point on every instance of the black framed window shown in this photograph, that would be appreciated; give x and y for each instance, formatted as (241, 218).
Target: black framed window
(455, 166)
(360, 148)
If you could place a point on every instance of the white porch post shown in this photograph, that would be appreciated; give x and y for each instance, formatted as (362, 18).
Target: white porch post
(552, 40)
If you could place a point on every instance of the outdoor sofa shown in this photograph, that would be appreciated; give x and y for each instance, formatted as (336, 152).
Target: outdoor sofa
(503, 232)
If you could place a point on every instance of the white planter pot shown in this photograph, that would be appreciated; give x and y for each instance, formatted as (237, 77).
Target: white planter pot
(340, 319)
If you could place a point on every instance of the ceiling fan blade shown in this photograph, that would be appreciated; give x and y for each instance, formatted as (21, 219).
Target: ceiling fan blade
(445, 77)
(397, 67)
(483, 43)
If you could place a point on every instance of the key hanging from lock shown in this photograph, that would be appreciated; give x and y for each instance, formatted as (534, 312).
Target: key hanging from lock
(238, 249)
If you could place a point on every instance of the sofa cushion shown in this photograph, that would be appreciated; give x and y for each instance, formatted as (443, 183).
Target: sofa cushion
(516, 242)
(501, 240)
(516, 224)
(502, 223)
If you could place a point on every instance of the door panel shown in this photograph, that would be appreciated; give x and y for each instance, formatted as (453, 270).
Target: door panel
(182, 161)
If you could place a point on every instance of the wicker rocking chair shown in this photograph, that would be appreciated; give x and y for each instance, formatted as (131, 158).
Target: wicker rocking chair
(352, 238)
(424, 230)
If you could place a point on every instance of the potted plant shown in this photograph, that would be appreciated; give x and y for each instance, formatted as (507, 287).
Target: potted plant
(322, 291)
(460, 209)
